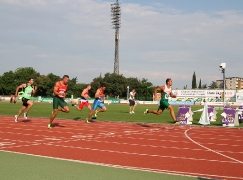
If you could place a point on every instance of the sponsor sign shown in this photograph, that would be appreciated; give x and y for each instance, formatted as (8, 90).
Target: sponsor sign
(212, 113)
(184, 115)
(181, 103)
(239, 97)
(205, 93)
(228, 117)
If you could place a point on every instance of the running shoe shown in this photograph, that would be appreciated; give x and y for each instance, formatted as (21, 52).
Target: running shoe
(49, 126)
(146, 111)
(96, 112)
(87, 120)
(25, 116)
(177, 122)
(133, 112)
(16, 118)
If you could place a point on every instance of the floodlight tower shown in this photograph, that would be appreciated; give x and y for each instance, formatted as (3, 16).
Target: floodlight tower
(116, 24)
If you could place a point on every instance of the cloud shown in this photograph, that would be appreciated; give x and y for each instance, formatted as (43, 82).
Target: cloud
(157, 39)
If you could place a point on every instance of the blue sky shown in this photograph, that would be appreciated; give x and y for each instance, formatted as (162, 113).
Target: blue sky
(158, 39)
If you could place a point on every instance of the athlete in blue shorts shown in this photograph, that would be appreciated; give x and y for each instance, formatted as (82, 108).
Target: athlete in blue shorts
(98, 102)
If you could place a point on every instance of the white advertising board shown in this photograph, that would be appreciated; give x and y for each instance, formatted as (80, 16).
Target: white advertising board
(204, 93)
(239, 97)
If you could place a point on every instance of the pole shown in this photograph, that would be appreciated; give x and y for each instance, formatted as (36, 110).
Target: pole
(223, 71)
(127, 92)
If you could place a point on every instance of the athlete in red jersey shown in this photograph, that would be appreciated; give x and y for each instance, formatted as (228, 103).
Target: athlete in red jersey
(59, 93)
(84, 99)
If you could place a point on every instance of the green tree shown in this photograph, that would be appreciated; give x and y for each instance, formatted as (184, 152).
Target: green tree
(44, 85)
(22, 75)
(194, 81)
(146, 90)
(204, 86)
(200, 85)
(213, 85)
(8, 83)
(115, 84)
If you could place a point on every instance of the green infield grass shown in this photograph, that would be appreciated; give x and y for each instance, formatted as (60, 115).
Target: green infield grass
(26, 167)
(115, 112)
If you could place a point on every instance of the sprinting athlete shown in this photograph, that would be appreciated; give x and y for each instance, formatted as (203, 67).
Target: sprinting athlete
(84, 99)
(98, 102)
(166, 92)
(29, 90)
(59, 92)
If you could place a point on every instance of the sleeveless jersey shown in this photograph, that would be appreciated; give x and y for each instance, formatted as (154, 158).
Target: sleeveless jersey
(86, 93)
(61, 89)
(166, 94)
(27, 91)
(101, 96)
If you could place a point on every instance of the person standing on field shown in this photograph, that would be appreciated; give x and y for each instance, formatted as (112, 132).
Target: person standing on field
(132, 101)
(60, 92)
(29, 90)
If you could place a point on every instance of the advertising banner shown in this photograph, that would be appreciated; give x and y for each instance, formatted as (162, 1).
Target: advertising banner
(184, 115)
(229, 117)
(239, 97)
(204, 93)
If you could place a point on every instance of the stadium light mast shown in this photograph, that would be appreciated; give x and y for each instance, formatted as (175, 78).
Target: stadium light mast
(222, 68)
(116, 24)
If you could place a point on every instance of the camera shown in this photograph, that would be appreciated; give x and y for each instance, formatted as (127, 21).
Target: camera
(222, 66)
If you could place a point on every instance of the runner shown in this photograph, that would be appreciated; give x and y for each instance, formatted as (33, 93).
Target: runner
(166, 92)
(29, 90)
(98, 102)
(84, 99)
(59, 91)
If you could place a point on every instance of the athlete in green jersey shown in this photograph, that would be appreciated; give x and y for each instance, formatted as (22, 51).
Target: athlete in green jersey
(166, 92)
(29, 90)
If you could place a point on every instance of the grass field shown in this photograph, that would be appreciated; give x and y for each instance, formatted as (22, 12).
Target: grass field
(115, 112)
(24, 167)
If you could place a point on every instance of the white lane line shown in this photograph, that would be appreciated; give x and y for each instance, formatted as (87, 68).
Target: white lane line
(188, 174)
(138, 154)
(233, 159)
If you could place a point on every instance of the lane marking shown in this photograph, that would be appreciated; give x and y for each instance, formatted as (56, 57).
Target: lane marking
(233, 159)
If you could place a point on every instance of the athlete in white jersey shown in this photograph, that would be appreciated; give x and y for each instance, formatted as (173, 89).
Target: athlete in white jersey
(166, 92)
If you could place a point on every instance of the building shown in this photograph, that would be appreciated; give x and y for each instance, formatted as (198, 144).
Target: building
(231, 83)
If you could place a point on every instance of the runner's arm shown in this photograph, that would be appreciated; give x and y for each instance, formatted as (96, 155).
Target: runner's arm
(17, 89)
(55, 89)
(161, 88)
(97, 94)
(34, 90)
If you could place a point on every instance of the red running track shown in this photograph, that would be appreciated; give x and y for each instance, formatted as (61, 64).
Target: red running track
(207, 152)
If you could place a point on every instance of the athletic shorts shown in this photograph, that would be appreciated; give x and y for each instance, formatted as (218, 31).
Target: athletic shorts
(83, 103)
(131, 102)
(97, 103)
(24, 100)
(57, 101)
(163, 105)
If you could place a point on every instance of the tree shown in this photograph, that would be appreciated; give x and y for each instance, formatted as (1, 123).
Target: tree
(115, 84)
(200, 86)
(204, 86)
(8, 83)
(194, 81)
(185, 87)
(22, 75)
(213, 85)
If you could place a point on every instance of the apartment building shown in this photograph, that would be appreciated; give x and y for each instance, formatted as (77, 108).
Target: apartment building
(231, 83)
